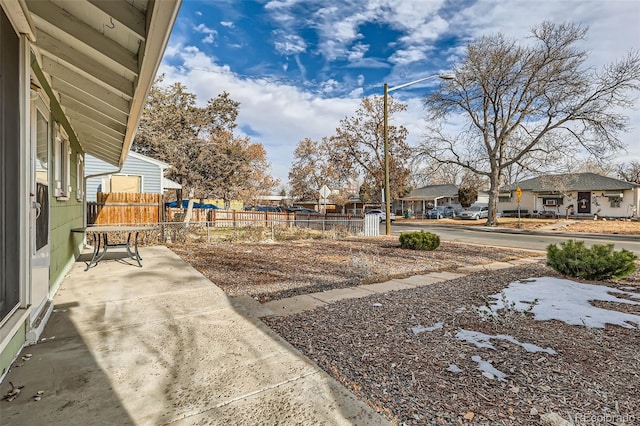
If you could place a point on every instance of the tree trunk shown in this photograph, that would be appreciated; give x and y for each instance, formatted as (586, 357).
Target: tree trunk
(494, 189)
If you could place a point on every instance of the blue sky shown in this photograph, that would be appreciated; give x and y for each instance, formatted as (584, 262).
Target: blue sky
(299, 66)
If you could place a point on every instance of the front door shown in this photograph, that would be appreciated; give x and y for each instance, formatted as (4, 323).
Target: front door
(584, 202)
(40, 256)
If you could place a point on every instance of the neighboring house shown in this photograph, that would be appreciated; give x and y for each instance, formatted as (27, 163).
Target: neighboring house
(74, 76)
(583, 194)
(422, 199)
(139, 174)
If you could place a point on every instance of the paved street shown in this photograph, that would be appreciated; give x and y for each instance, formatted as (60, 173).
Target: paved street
(514, 239)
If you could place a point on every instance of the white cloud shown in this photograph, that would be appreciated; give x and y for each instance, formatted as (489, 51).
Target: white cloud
(301, 67)
(210, 33)
(227, 24)
(357, 52)
(281, 114)
(403, 57)
(289, 44)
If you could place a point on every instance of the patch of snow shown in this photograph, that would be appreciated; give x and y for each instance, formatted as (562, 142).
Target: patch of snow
(377, 305)
(488, 370)
(420, 329)
(567, 301)
(460, 310)
(482, 340)
(454, 369)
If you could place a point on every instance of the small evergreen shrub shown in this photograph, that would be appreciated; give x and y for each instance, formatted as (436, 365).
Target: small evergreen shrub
(419, 240)
(600, 262)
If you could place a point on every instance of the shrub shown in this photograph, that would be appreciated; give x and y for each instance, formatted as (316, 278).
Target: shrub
(419, 240)
(600, 262)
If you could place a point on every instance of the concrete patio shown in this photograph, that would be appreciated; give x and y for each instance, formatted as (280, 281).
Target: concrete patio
(162, 345)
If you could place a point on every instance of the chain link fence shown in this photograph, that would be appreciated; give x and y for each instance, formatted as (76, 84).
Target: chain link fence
(208, 232)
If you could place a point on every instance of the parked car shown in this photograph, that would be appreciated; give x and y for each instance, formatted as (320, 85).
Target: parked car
(382, 215)
(440, 212)
(300, 209)
(185, 204)
(271, 209)
(475, 212)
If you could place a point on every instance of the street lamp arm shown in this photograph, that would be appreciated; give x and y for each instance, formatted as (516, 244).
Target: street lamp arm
(387, 184)
(442, 76)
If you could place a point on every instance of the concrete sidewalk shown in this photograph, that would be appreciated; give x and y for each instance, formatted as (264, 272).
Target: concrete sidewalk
(162, 345)
(305, 302)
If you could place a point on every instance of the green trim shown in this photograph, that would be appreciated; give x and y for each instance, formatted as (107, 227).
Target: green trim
(9, 352)
(56, 109)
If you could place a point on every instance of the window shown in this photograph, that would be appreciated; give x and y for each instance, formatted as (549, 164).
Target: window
(79, 178)
(552, 201)
(615, 201)
(62, 156)
(124, 183)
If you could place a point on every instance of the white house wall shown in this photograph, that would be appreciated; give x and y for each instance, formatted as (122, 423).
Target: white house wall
(600, 204)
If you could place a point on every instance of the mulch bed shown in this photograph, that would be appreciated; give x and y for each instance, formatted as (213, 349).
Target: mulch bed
(368, 345)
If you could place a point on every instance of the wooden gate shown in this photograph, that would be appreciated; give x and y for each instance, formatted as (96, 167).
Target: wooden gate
(125, 208)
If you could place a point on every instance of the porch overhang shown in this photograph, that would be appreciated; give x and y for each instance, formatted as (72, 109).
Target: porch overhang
(99, 59)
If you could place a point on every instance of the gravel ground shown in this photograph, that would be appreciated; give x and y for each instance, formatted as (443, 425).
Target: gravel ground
(372, 350)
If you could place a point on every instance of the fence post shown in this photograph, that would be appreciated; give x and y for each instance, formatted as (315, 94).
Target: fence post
(233, 217)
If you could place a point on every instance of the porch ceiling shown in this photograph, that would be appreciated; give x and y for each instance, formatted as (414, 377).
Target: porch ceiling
(100, 58)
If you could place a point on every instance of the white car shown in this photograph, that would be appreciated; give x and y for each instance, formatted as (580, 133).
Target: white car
(382, 215)
(475, 213)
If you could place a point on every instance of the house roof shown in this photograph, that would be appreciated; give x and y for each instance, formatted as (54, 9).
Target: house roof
(169, 184)
(142, 157)
(97, 60)
(571, 182)
(431, 192)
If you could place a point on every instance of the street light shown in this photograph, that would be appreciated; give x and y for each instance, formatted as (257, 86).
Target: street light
(387, 189)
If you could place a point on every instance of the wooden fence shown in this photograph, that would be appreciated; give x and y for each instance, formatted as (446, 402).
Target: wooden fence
(124, 208)
(230, 218)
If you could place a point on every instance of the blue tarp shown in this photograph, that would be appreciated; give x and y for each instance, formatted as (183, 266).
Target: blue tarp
(185, 204)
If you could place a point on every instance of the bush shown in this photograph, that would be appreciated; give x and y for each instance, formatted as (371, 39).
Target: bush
(419, 240)
(600, 262)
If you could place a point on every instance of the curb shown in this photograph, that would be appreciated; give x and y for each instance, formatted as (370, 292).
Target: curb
(618, 237)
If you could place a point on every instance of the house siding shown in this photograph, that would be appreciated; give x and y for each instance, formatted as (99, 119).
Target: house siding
(151, 174)
(600, 205)
(8, 352)
(64, 216)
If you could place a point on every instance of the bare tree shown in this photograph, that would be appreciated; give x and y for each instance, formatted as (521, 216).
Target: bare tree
(357, 149)
(630, 171)
(529, 105)
(311, 169)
